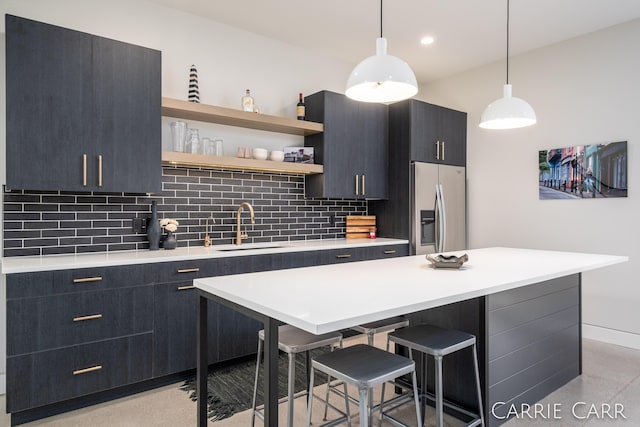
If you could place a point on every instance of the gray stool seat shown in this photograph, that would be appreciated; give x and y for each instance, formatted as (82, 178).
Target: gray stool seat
(364, 367)
(439, 342)
(433, 340)
(385, 325)
(292, 341)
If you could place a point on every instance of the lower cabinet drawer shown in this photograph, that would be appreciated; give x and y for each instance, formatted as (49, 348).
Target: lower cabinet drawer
(52, 376)
(44, 323)
(387, 251)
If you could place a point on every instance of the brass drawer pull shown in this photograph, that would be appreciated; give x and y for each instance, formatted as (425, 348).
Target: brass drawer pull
(343, 256)
(188, 270)
(87, 279)
(389, 252)
(86, 370)
(89, 317)
(184, 288)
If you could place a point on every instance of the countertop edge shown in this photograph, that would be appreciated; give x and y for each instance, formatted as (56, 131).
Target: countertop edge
(32, 264)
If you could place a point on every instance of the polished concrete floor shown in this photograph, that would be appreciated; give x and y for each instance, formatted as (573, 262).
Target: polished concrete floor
(611, 376)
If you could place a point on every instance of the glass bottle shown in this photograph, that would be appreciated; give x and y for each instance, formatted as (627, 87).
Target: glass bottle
(247, 102)
(300, 109)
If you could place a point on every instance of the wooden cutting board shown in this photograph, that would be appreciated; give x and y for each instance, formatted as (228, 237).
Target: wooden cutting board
(359, 226)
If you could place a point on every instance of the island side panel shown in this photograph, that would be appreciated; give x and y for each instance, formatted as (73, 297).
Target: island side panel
(533, 343)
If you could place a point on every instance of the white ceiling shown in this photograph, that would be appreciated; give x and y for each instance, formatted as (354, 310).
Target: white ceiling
(468, 33)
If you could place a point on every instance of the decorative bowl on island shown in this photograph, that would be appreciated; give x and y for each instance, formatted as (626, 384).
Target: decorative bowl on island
(447, 261)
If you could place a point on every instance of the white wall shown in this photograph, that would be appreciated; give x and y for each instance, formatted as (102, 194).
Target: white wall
(229, 61)
(584, 91)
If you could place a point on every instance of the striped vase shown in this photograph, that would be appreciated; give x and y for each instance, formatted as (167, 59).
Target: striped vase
(194, 92)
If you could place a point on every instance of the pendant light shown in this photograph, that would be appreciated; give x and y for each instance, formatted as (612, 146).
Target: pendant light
(507, 112)
(382, 77)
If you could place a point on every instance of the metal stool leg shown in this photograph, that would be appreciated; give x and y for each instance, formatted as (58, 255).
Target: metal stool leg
(423, 385)
(416, 400)
(291, 388)
(310, 398)
(363, 395)
(438, 390)
(255, 384)
(475, 363)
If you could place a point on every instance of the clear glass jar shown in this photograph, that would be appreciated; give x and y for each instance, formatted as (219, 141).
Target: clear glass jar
(193, 142)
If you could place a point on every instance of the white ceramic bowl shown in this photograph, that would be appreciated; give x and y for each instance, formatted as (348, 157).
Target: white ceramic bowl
(277, 156)
(260, 154)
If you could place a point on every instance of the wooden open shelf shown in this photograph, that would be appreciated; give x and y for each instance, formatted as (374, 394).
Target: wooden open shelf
(229, 116)
(236, 163)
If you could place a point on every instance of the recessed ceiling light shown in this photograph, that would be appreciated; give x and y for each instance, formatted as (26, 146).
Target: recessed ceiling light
(427, 40)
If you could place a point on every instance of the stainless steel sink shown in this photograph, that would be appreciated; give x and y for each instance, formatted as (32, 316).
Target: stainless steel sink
(249, 246)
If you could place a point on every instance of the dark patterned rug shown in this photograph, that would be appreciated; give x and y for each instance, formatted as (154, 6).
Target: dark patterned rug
(230, 388)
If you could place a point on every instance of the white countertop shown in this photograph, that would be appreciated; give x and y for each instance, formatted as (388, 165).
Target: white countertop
(26, 264)
(333, 297)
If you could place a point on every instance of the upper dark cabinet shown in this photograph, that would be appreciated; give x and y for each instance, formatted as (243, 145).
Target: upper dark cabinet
(437, 134)
(353, 147)
(83, 112)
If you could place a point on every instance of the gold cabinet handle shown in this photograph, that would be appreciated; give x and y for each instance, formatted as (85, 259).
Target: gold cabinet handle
(389, 252)
(442, 150)
(100, 170)
(363, 185)
(84, 170)
(86, 370)
(343, 256)
(184, 288)
(188, 270)
(89, 317)
(87, 279)
(357, 183)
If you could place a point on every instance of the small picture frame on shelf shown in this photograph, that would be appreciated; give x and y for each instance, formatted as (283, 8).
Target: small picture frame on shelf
(298, 154)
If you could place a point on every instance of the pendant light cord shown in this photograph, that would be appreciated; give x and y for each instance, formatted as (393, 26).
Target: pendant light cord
(507, 41)
(380, 18)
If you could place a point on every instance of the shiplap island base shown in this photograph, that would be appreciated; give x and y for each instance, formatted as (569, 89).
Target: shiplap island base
(523, 305)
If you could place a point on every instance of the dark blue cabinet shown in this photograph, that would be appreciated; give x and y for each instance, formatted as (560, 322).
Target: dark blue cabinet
(83, 112)
(97, 329)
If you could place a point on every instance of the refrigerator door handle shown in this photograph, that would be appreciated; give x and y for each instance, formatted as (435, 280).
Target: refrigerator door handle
(443, 221)
(440, 219)
(437, 220)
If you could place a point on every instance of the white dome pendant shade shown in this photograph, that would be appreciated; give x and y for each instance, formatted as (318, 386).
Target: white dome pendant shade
(381, 78)
(507, 112)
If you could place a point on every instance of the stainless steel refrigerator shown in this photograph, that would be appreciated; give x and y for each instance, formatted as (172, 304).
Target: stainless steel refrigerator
(438, 208)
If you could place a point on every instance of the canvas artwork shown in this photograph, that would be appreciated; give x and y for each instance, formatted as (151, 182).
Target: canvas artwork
(583, 171)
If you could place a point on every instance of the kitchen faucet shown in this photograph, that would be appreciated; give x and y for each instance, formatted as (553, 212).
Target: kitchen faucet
(239, 235)
(207, 239)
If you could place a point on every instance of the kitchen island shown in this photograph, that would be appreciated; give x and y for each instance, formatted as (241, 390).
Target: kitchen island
(511, 298)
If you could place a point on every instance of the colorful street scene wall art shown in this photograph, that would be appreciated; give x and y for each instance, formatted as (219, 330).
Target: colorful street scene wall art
(584, 171)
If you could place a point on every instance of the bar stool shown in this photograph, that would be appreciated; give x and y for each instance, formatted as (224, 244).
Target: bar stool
(292, 341)
(363, 367)
(370, 329)
(439, 342)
